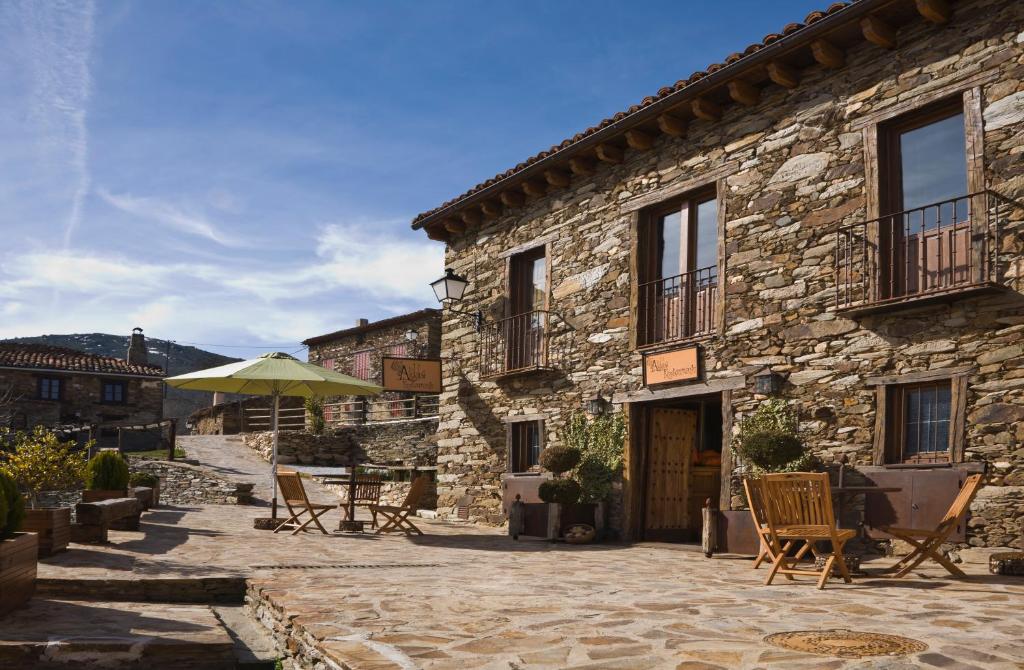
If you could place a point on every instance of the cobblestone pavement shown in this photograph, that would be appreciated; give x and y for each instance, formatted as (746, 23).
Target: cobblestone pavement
(469, 597)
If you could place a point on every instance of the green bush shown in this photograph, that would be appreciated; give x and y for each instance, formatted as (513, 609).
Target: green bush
(560, 459)
(771, 451)
(563, 491)
(769, 439)
(13, 506)
(143, 479)
(601, 441)
(107, 471)
(315, 415)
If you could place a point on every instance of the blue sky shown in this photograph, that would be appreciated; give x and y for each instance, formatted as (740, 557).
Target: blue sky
(245, 172)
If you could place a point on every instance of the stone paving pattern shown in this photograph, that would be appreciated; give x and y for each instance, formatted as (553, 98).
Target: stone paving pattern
(481, 600)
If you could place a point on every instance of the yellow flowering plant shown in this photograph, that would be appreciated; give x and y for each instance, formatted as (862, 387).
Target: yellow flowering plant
(39, 462)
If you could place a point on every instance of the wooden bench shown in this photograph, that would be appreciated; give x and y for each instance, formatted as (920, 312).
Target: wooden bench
(94, 519)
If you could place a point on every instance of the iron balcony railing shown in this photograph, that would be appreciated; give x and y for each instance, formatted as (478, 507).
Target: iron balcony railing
(947, 247)
(515, 344)
(677, 307)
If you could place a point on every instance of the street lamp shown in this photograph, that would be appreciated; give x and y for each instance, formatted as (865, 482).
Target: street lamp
(411, 335)
(450, 288)
(596, 405)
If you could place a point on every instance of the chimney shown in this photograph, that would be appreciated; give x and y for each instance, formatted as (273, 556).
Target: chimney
(137, 348)
(362, 322)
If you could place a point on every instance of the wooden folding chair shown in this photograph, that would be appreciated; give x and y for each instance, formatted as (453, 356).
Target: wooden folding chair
(755, 500)
(798, 507)
(926, 543)
(295, 498)
(367, 494)
(397, 516)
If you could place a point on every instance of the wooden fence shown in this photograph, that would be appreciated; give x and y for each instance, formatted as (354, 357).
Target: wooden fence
(372, 411)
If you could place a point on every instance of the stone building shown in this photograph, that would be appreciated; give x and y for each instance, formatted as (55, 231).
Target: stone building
(831, 217)
(54, 386)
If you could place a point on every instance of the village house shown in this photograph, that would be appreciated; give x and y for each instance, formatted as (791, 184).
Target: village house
(831, 217)
(55, 386)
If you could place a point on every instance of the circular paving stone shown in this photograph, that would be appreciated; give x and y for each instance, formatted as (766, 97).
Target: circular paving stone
(846, 643)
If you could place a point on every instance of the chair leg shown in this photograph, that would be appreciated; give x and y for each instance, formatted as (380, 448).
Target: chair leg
(776, 565)
(843, 570)
(826, 571)
(762, 553)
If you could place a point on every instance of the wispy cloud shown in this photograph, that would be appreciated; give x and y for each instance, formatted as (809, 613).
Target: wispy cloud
(167, 213)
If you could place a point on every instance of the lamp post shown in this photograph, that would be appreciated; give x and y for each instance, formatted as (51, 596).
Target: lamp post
(449, 289)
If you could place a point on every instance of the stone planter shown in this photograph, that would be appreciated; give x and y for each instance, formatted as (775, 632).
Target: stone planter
(53, 527)
(97, 495)
(18, 562)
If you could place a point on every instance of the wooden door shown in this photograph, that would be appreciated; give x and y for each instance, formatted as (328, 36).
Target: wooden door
(673, 434)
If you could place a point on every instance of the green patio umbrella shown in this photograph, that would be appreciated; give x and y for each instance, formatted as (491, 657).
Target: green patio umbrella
(275, 375)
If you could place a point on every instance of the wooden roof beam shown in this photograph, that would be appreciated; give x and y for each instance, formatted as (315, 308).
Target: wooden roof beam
(472, 217)
(581, 166)
(878, 32)
(672, 125)
(828, 54)
(556, 178)
(437, 233)
(512, 199)
(534, 188)
(639, 140)
(491, 209)
(744, 92)
(706, 109)
(454, 226)
(936, 11)
(783, 75)
(609, 153)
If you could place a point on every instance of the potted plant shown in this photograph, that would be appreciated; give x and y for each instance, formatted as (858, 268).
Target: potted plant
(106, 477)
(18, 550)
(150, 481)
(601, 442)
(41, 462)
(559, 491)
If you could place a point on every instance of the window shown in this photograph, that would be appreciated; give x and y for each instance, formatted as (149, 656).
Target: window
(396, 350)
(361, 364)
(49, 388)
(677, 269)
(524, 331)
(919, 423)
(525, 444)
(924, 233)
(113, 392)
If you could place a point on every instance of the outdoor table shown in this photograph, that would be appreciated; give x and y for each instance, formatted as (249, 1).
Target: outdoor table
(350, 523)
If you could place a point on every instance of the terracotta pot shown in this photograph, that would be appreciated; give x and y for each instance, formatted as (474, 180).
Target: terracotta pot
(18, 561)
(97, 495)
(580, 533)
(52, 525)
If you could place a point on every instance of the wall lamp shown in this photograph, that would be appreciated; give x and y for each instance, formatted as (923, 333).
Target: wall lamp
(449, 289)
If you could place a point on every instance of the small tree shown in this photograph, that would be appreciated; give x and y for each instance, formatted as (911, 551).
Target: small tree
(315, 415)
(770, 440)
(41, 462)
(12, 507)
(107, 471)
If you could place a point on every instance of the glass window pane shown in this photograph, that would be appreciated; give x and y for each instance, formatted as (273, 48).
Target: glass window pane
(669, 241)
(933, 163)
(707, 234)
(912, 421)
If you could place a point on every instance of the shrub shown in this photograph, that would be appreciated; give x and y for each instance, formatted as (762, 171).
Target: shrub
(107, 471)
(769, 439)
(771, 451)
(13, 507)
(560, 459)
(143, 479)
(315, 415)
(601, 442)
(41, 462)
(563, 491)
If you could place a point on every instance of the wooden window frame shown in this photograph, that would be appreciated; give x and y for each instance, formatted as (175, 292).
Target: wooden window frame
(511, 427)
(886, 423)
(60, 388)
(544, 250)
(104, 383)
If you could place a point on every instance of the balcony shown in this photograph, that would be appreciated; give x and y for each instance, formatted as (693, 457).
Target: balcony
(516, 345)
(944, 251)
(677, 308)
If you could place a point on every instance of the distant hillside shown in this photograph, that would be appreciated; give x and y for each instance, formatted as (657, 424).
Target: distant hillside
(177, 403)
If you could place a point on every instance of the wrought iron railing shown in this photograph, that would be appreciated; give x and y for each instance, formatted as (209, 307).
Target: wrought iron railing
(677, 307)
(515, 344)
(942, 248)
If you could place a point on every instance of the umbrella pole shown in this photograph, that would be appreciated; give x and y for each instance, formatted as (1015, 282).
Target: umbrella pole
(273, 475)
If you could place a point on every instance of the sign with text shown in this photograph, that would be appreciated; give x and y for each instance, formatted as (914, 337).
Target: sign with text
(411, 375)
(678, 365)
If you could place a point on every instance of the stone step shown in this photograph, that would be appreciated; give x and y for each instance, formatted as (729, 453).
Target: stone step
(228, 589)
(254, 647)
(52, 633)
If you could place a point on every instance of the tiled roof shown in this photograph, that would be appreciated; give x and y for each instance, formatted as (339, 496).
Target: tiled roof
(375, 325)
(46, 357)
(662, 93)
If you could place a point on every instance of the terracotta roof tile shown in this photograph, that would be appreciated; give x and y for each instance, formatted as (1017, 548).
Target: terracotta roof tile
(46, 357)
(663, 92)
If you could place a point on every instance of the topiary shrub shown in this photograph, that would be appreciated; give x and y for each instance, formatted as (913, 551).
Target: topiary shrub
(771, 451)
(143, 479)
(560, 459)
(12, 507)
(769, 439)
(562, 491)
(107, 471)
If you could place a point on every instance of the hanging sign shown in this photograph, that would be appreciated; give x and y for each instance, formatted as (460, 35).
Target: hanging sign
(677, 365)
(411, 375)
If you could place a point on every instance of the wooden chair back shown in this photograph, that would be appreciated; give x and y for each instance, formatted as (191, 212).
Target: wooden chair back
(291, 486)
(798, 499)
(754, 489)
(368, 488)
(962, 502)
(416, 492)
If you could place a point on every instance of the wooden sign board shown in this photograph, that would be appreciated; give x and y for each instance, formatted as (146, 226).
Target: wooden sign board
(678, 365)
(411, 375)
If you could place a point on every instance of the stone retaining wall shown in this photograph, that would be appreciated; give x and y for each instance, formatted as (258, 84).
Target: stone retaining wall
(185, 484)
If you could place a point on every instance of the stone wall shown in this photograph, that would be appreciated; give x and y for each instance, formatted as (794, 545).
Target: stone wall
(788, 171)
(185, 484)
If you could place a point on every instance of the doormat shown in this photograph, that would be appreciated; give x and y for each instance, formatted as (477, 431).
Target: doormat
(846, 643)
(347, 566)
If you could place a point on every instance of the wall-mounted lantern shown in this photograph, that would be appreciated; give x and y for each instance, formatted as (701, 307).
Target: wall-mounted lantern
(596, 405)
(450, 288)
(767, 382)
(411, 335)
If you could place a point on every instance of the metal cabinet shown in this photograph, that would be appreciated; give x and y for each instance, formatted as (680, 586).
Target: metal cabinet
(923, 499)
